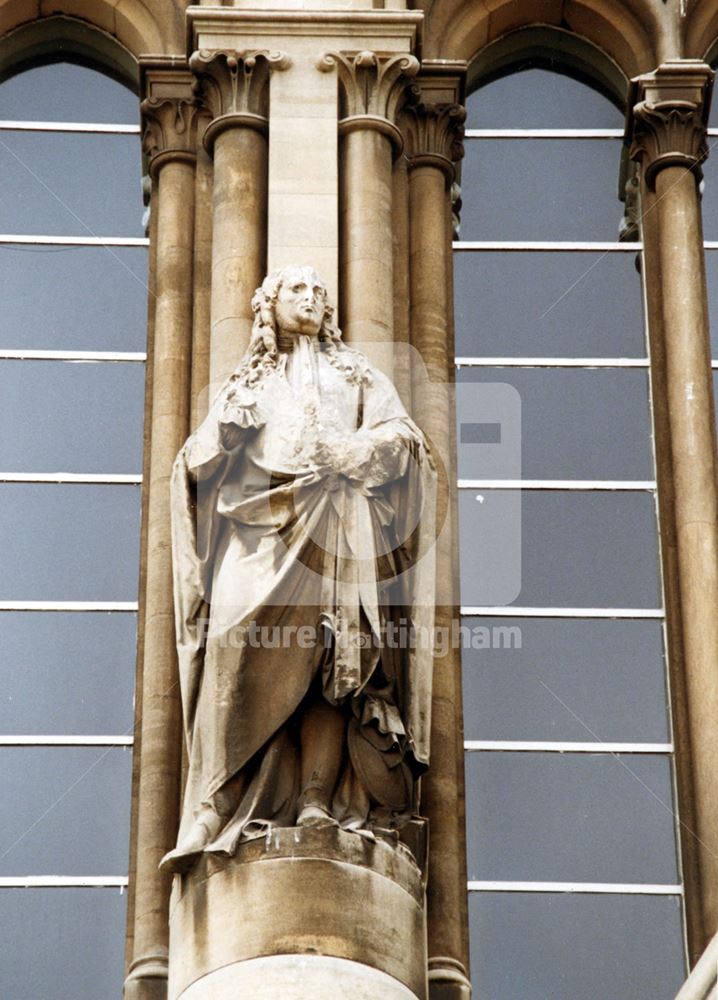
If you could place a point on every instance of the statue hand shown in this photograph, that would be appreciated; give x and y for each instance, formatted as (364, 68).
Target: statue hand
(345, 456)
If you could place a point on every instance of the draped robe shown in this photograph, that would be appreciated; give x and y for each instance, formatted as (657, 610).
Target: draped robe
(268, 538)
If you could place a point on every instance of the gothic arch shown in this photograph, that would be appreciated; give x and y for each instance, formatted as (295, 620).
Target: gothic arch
(139, 26)
(630, 34)
(701, 31)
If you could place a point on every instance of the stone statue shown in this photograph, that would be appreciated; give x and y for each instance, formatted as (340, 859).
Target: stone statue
(303, 523)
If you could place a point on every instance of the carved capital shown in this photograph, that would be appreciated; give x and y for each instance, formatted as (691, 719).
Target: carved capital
(169, 129)
(667, 119)
(234, 87)
(434, 134)
(371, 89)
(169, 112)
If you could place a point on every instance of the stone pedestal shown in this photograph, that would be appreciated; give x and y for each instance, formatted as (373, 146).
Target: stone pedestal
(302, 913)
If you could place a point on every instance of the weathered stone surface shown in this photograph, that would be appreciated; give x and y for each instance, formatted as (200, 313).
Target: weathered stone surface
(296, 977)
(302, 892)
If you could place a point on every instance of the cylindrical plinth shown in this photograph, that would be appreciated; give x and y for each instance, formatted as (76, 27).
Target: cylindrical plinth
(314, 913)
(297, 977)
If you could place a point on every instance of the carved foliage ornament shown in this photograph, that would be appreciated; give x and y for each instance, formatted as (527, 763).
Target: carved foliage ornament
(669, 133)
(235, 85)
(434, 133)
(169, 128)
(370, 84)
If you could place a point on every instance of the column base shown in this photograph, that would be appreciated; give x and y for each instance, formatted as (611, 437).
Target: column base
(448, 980)
(290, 913)
(297, 977)
(147, 979)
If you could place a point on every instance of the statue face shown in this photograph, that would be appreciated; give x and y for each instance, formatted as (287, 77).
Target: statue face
(301, 302)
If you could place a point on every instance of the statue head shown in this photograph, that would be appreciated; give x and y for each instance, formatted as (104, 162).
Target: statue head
(293, 301)
(301, 301)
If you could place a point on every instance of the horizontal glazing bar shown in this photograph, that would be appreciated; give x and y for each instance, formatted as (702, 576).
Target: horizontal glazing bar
(23, 126)
(68, 606)
(64, 882)
(509, 611)
(544, 133)
(76, 241)
(23, 354)
(556, 484)
(527, 746)
(66, 741)
(552, 245)
(617, 888)
(465, 362)
(68, 477)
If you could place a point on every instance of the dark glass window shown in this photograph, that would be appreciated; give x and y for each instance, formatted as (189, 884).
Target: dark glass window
(67, 672)
(73, 298)
(547, 305)
(68, 675)
(538, 98)
(540, 189)
(576, 549)
(562, 679)
(575, 817)
(64, 810)
(532, 946)
(69, 542)
(571, 402)
(65, 92)
(70, 184)
(575, 424)
(67, 944)
(65, 417)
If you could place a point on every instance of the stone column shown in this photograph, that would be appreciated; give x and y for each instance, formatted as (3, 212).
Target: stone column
(169, 135)
(234, 86)
(201, 310)
(371, 87)
(667, 122)
(433, 125)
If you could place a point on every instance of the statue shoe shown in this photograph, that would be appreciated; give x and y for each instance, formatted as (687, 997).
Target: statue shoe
(315, 815)
(203, 831)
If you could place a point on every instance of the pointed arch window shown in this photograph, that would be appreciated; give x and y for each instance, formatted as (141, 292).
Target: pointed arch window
(573, 853)
(72, 341)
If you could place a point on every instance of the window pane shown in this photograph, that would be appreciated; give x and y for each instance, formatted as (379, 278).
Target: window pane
(556, 305)
(69, 543)
(712, 282)
(103, 306)
(709, 203)
(540, 189)
(575, 817)
(65, 92)
(67, 944)
(575, 424)
(67, 673)
(579, 549)
(527, 946)
(64, 417)
(555, 680)
(538, 98)
(64, 810)
(70, 185)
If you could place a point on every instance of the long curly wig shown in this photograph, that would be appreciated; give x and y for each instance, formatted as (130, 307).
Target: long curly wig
(263, 355)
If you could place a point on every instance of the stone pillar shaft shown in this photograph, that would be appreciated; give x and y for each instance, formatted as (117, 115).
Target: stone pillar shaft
(367, 274)
(667, 124)
(371, 89)
(238, 247)
(433, 132)
(201, 310)
(234, 85)
(169, 139)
